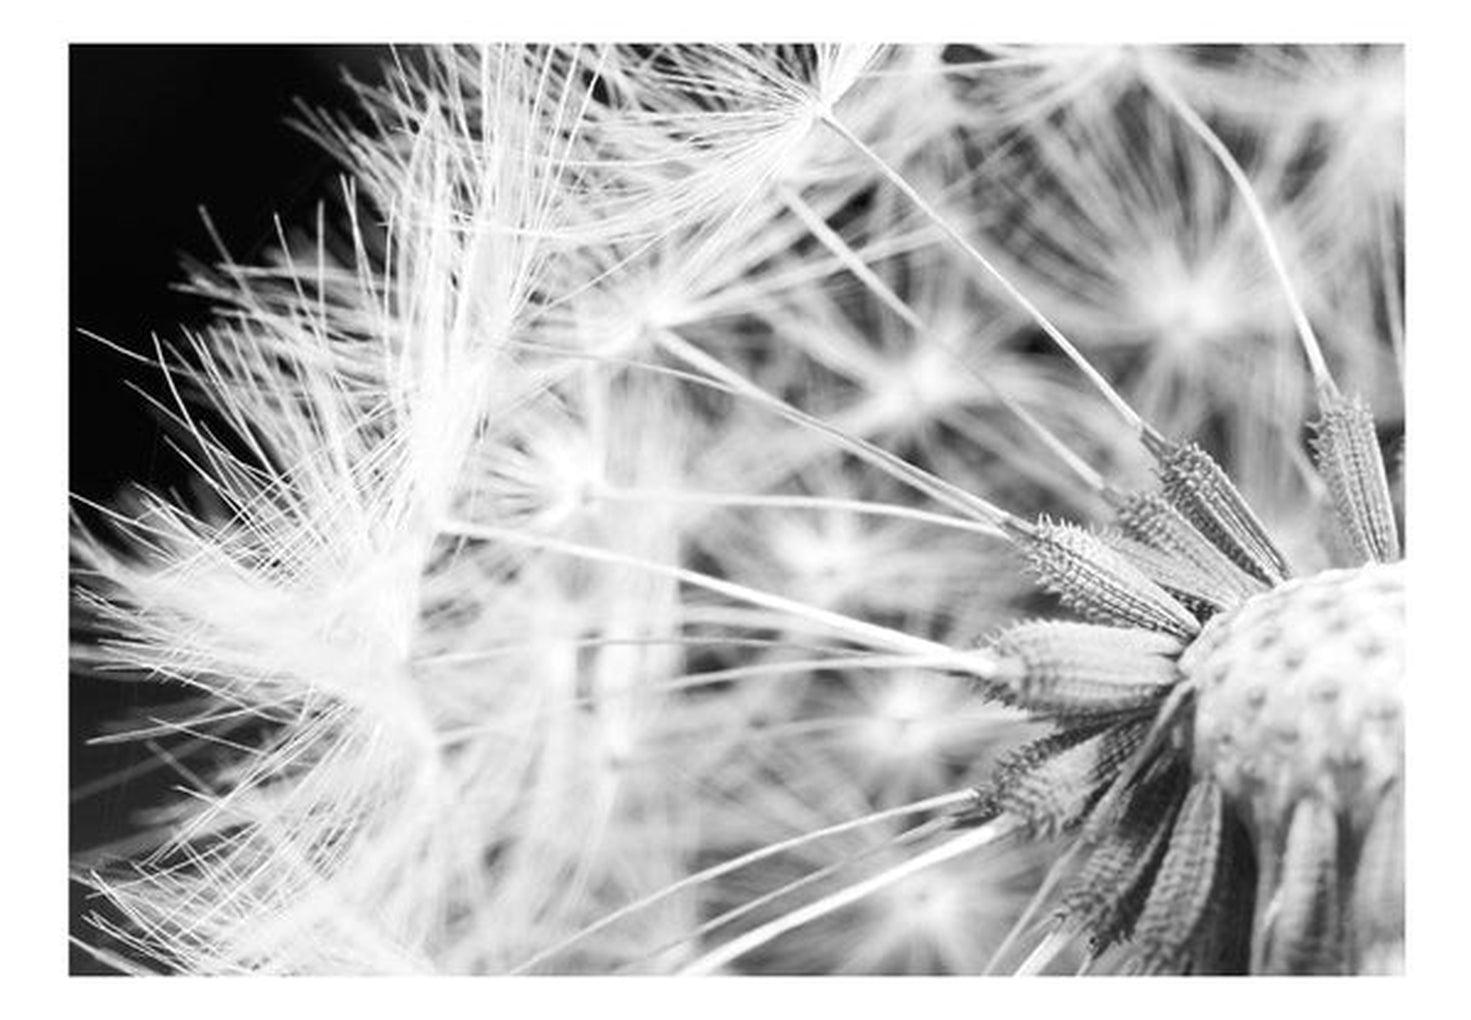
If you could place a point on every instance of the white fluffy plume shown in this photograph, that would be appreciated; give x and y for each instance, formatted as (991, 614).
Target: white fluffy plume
(603, 492)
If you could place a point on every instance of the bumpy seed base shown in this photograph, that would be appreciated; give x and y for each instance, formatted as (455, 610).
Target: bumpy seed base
(1300, 693)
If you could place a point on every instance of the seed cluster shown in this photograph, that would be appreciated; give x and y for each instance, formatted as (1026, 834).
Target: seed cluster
(627, 383)
(1254, 824)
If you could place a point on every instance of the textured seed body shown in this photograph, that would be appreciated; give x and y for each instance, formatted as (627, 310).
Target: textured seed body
(1300, 694)
(1351, 465)
(1084, 669)
(1101, 583)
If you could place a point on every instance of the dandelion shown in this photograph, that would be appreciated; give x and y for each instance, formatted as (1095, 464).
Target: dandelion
(1175, 887)
(614, 565)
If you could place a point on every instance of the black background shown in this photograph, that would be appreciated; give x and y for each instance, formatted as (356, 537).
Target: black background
(156, 133)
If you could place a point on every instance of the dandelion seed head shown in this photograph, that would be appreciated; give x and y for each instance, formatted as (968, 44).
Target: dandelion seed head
(553, 563)
(916, 726)
(1189, 305)
(827, 557)
(927, 383)
(543, 472)
(928, 915)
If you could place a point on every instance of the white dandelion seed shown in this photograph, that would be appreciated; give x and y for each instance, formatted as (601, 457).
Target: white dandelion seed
(608, 568)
